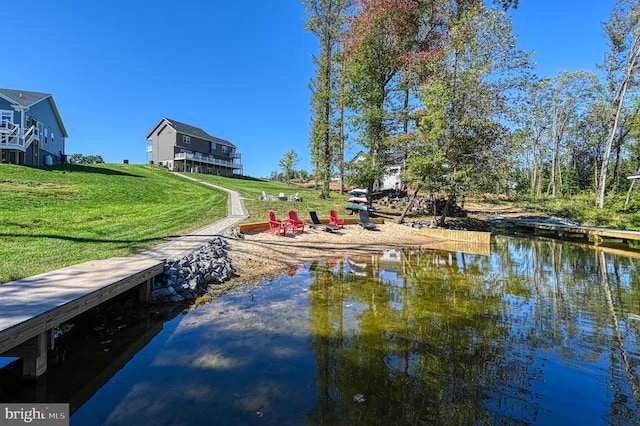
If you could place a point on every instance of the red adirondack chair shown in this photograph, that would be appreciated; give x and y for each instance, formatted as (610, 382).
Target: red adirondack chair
(296, 223)
(277, 226)
(335, 220)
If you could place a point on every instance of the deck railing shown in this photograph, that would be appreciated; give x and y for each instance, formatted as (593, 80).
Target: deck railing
(207, 160)
(14, 137)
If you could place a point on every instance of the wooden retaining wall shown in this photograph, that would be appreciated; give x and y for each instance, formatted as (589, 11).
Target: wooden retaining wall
(475, 237)
(461, 247)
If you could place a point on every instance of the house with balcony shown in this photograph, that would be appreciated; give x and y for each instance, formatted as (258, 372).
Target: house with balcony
(181, 147)
(31, 130)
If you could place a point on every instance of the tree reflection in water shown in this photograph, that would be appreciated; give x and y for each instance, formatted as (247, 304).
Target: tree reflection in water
(535, 332)
(521, 332)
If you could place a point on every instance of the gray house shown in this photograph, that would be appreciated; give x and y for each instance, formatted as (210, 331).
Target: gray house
(181, 147)
(31, 130)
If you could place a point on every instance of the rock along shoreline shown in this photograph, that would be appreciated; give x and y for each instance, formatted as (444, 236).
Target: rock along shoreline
(192, 275)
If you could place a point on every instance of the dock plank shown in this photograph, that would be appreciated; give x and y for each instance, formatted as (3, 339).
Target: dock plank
(36, 304)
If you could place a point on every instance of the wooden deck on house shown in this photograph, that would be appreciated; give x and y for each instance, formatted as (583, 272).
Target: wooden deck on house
(32, 307)
(563, 231)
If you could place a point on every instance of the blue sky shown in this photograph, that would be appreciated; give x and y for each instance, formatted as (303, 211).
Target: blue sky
(239, 70)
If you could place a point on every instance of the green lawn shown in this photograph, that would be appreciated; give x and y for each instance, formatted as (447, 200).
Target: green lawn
(56, 216)
(51, 217)
(251, 190)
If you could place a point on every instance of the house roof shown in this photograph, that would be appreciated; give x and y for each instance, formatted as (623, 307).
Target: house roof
(189, 130)
(396, 157)
(358, 157)
(27, 99)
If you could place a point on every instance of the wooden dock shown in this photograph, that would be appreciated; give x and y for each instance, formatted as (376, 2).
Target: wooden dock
(563, 231)
(32, 307)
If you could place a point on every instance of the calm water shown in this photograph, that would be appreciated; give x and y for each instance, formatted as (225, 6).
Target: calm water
(532, 332)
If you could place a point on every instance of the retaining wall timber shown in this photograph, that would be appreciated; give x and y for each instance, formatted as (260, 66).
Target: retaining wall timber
(456, 235)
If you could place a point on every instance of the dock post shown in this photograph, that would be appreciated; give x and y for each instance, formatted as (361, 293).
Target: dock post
(144, 291)
(35, 356)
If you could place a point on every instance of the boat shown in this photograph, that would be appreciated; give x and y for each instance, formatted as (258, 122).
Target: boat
(358, 192)
(358, 200)
(355, 206)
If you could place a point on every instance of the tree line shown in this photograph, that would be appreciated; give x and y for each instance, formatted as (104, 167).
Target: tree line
(441, 87)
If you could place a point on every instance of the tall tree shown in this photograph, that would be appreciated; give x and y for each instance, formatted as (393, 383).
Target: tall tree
(531, 135)
(288, 163)
(372, 65)
(387, 45)
(342, 136)
(461, 142)
(565, 98)
(621, 64)
(387, 41)
(592, 133)
(326, 19)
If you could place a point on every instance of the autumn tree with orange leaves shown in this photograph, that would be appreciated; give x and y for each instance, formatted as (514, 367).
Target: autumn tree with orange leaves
(434, 63)
(386, 43)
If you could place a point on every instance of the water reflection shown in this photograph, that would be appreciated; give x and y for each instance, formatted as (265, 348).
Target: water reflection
(95, 347)
(537, 332)
(528, 332)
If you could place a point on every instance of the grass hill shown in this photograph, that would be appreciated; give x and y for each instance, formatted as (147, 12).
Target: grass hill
(51, 217)
(57, 216)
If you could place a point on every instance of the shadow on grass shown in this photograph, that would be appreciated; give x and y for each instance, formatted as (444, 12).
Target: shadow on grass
(80, 168)
(250, 178)
(90, 240)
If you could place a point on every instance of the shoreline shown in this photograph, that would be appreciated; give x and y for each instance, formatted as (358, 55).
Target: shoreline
(259, 255)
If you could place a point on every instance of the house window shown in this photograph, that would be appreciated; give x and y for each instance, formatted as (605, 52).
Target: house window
(46, 135)
(214, 146)
(5, 116)
(225, 148)
(186, 139)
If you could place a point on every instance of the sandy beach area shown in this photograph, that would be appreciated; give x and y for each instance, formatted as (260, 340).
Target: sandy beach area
(264, 254)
